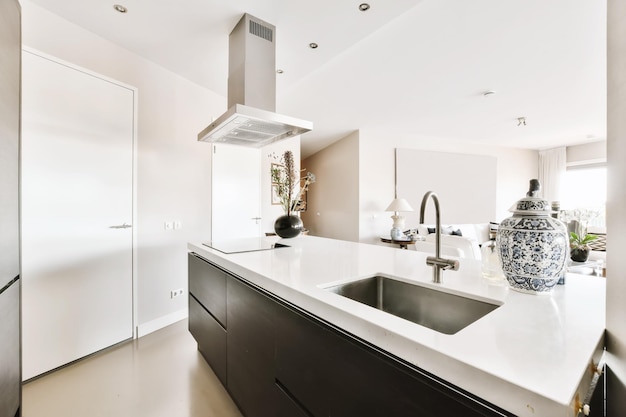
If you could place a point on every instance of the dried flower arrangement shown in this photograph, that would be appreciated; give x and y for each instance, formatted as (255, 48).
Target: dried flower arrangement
(290, 188)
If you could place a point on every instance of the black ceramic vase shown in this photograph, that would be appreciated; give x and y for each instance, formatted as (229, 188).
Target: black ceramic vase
(580, 254)
(288, 226)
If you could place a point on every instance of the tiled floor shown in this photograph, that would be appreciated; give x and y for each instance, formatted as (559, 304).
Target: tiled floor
(160, 374)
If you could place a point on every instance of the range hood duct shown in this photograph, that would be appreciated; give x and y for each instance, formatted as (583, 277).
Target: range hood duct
(251, 119)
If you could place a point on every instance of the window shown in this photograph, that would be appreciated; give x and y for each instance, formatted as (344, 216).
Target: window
(584, 187)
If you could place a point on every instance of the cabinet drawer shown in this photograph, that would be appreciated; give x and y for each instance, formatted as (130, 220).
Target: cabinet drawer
(330, 373)
(250, 346)
(286, 405)
(211, 338)
(208, 285)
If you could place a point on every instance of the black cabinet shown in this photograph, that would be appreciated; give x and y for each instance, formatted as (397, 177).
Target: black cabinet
(207, 312)
(250, 358)
(10, 378)
(207, 284)
(287, 405)
(281, 361)
(211, 337)
(330, 373)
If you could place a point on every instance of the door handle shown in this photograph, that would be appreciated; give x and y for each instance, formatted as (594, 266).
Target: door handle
(121, 226)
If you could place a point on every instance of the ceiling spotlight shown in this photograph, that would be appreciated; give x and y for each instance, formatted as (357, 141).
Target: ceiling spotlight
(489, 93)
(521, 121)
(364, 7)
(279, 71)
(120, 8)
(313, 45)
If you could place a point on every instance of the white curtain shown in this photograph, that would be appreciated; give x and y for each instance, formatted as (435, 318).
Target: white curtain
(552, 165)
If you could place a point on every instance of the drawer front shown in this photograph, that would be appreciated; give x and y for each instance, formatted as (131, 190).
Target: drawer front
(331, 374)
(208, 285)
(286, 405)
(211, 338)
(250, 346)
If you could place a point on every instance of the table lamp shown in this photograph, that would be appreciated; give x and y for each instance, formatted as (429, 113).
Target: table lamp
(398, 205)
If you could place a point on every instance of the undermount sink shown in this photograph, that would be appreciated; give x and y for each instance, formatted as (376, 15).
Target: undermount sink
(441, 311)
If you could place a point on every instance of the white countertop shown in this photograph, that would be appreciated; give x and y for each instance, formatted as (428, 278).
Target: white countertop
(528, 356)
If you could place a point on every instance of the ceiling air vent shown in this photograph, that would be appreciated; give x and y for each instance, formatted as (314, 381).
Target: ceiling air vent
(261, 31)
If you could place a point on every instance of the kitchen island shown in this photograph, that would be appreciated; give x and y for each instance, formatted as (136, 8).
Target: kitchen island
(530, 356)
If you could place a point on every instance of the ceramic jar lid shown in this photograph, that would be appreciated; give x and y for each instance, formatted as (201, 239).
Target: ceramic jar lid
(532, 205)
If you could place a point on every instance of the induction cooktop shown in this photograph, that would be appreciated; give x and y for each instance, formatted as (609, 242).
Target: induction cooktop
(244, 245)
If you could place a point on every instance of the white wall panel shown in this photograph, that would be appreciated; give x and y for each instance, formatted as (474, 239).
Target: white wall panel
(616, 207)
(174, 169)
(77, 213)
(515, 167)
(465, 185)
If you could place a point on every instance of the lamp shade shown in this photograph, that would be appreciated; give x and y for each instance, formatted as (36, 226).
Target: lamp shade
(399, 204)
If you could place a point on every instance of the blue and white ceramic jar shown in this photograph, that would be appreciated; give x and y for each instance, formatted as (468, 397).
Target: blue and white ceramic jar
(533, 246)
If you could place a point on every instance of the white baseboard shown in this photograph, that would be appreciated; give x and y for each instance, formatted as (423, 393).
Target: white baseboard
(156, 324)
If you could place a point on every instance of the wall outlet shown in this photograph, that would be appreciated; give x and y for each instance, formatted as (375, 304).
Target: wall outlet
(168, 225)
(177, 224)
(176, 293)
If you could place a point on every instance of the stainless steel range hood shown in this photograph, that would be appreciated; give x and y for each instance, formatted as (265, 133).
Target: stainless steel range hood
(251, 119)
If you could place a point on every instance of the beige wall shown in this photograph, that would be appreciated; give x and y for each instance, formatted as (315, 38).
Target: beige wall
(333, 209)
(616, 207)
(415, 176)
(356, 180)
(587, 153)
(515, 167)
(173, 169)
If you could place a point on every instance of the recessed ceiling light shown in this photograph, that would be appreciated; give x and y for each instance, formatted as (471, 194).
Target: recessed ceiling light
(279, 71)
(120, 8)
(364, 7)
(313, 45)
(489, 93)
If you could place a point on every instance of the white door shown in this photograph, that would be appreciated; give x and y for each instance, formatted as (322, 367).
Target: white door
(236, 192)
(77, 195)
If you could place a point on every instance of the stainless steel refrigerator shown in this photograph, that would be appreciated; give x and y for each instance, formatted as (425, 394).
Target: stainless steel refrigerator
(10, 283)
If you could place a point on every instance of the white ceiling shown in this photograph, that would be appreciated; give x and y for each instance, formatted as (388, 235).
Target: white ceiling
(413, 66)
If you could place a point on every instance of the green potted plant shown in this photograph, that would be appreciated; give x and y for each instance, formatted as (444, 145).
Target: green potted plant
(579, 245)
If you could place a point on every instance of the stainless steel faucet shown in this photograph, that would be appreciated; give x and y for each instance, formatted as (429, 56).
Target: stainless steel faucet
(437, 262)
